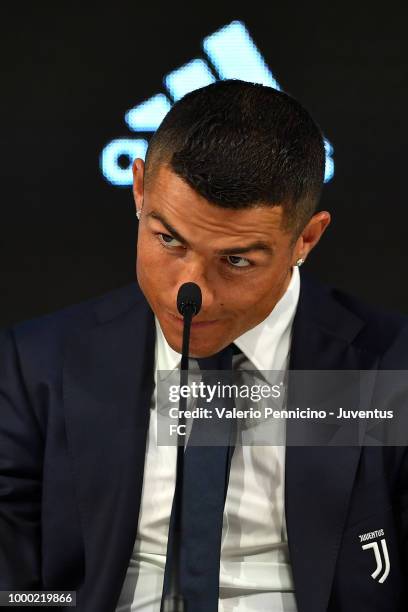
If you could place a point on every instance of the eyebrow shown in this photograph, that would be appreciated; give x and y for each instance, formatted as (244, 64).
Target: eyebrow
(258, 245)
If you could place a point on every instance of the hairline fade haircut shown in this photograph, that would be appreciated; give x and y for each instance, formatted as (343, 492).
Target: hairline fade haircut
(242, 145)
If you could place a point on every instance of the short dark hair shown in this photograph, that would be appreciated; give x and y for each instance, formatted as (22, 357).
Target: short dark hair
(241, 144)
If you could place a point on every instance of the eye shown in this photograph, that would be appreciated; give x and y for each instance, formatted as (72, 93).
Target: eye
(238, 262)
(168, 241)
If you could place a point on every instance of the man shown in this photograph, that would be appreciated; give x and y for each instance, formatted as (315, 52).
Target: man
(227, 200)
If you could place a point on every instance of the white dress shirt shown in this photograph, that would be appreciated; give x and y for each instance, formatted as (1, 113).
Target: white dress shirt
(255, 570)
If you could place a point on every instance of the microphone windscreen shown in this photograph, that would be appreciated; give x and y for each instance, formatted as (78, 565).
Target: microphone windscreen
(189, 295)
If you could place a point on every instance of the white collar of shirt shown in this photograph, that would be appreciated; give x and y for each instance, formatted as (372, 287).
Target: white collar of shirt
(261, 344)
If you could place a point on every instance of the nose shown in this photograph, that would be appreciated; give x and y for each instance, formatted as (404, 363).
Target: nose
(196, 273)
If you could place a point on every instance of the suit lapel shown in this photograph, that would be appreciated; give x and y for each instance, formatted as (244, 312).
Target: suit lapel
(107, 386)
(319, 480)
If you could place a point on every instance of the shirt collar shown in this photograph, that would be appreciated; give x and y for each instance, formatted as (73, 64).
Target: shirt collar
(259, 344)
(166, 358)
(262, 344)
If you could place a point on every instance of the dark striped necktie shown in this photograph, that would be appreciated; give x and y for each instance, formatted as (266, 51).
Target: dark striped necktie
(207, 461)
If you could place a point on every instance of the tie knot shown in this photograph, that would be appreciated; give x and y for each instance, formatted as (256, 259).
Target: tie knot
(220, 361)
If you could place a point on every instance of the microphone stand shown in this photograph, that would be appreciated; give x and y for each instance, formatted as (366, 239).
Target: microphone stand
(174, 600)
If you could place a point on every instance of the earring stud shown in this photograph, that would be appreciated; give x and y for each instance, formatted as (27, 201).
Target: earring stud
(138, 213)
(299, 262)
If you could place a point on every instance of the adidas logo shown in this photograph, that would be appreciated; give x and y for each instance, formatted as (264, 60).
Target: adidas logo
(230, 53)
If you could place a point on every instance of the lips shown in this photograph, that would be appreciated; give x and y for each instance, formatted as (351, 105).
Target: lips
(194, 323)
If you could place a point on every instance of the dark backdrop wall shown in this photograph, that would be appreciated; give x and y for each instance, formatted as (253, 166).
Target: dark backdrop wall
(70, 73)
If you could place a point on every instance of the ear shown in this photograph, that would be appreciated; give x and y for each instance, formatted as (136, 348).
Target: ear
(311, 235)
(138, 181)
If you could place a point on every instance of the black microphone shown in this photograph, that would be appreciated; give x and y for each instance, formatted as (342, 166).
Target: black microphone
(189, 302)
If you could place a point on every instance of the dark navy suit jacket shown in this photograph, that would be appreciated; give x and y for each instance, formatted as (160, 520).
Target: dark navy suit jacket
(75, 389)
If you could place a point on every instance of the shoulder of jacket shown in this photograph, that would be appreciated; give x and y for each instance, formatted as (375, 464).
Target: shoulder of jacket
(379, 328)
(52, 329)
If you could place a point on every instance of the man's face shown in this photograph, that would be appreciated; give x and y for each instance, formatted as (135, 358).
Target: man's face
(241, 260)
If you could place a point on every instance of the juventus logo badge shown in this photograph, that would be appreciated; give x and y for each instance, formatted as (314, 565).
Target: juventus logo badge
(381, 556)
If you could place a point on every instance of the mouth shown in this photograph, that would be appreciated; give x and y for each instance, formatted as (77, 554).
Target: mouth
(194, 324)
